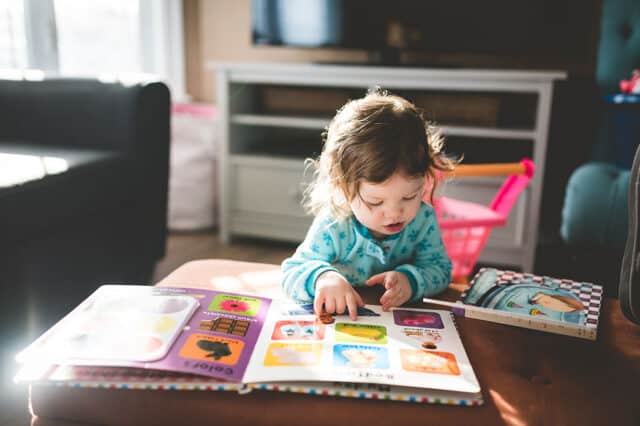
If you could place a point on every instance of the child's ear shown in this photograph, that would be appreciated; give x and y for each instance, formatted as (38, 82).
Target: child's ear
(426, 187)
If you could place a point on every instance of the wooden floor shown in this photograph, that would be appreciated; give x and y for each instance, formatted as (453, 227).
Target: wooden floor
(185, 246)
(181, 247)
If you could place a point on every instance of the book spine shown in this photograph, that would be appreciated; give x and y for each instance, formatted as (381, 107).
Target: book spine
(167, 386)
(370, 391)
(525, 322)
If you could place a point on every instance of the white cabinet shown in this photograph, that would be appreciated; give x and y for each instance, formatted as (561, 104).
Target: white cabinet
(261, 167)
(265, 198)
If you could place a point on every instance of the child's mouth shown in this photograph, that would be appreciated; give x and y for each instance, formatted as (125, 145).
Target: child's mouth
(394, 227)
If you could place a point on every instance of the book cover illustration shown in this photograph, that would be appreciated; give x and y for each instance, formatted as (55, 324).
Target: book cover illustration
(523, 299)
(247, 339)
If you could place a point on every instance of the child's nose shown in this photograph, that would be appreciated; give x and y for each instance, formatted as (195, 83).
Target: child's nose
(394, 212)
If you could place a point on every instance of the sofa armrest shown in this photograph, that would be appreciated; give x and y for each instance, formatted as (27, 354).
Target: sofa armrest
(594, 213)
(132, 121)
(73, 112)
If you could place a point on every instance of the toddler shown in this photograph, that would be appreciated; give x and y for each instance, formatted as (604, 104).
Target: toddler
(371, 225)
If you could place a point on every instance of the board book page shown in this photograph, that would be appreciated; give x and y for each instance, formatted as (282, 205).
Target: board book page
(409, 347)
(257, 341)
(208, 332)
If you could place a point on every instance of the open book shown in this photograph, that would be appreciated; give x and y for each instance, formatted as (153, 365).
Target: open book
(205, 339)
(526, 300)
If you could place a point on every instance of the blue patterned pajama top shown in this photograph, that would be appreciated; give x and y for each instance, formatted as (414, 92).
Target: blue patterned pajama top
(347, 247)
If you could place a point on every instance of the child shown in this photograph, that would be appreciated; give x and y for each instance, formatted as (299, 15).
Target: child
(371, 225)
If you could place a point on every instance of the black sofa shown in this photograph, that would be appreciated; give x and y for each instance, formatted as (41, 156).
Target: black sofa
(83, 194)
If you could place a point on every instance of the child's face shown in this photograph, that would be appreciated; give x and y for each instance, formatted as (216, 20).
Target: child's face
(386, 208)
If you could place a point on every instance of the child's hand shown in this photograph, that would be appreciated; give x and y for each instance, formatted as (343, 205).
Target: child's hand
(336, 294)
(398, 289)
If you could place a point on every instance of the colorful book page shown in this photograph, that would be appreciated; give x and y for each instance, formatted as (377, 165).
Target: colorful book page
(248, 339)
(405, 347)
(196, 331)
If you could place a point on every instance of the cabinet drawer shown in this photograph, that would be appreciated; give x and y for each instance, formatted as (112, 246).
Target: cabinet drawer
(268, 188)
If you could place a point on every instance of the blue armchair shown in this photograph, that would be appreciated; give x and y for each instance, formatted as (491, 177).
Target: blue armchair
(588, 242)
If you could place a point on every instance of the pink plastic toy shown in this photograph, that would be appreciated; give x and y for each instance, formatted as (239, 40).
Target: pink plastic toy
(632, 85)
(466, 226)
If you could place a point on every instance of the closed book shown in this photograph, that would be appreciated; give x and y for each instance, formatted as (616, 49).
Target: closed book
(556, 305)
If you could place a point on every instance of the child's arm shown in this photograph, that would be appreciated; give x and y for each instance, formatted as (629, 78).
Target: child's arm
(313, 257)
(431, 272)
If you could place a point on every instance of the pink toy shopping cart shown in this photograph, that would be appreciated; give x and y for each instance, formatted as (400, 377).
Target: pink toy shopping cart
(465, 226)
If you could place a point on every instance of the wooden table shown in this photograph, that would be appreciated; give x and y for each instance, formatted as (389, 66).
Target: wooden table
(527, 377)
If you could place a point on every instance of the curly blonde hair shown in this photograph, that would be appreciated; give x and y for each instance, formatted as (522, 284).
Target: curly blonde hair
(370, 139)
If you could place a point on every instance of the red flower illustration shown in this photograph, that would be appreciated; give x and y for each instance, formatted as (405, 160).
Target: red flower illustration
(234, 306)
(419, 320)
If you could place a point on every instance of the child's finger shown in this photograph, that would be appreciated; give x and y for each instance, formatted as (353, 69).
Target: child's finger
(341, 305)
(359, 300)
(386, 296)
(330, 305)
(396, 298)
(317, 304)
(390, 281)
(352, 305)
(391, 297)
(376, 279)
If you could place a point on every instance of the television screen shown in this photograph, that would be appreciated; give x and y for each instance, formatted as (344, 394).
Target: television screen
(491, 27)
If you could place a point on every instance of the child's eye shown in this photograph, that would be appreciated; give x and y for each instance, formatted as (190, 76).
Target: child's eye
(410, 198)
(379, 203)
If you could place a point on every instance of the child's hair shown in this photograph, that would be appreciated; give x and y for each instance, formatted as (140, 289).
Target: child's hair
(370, 139)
